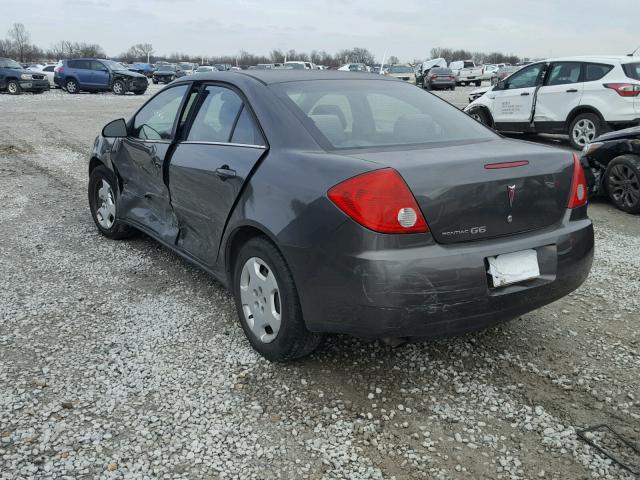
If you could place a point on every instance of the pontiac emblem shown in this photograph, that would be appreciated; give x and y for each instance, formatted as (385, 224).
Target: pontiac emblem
(511, 189)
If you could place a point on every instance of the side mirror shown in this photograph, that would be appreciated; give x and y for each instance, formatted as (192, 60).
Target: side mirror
(115, 129)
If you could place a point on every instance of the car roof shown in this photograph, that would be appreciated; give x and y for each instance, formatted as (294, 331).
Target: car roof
(596, 58)
(268, 77)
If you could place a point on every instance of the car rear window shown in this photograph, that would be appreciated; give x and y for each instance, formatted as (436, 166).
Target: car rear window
(632, 70)
(83, 64)
(595, 71)
(345, 114)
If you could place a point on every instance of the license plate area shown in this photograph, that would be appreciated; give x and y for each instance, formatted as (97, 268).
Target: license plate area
(546, 258)
(510, 268)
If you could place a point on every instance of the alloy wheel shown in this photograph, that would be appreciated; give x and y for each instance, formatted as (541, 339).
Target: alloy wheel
(71, 87)
(12, 87)
(584, 132)
(624, 186)
(106, 213)
(260, 298)
(117, 88)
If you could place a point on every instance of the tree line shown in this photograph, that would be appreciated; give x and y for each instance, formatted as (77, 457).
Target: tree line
(18, 46)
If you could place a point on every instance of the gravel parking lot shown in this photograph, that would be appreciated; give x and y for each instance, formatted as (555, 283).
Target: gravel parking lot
(120, 360)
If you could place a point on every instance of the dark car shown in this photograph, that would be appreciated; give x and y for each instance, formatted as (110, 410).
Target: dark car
(98, 75)
(15, 79)
(167, 74)
(145, 69)
(612, 163)
(333, 203)
(440, 79)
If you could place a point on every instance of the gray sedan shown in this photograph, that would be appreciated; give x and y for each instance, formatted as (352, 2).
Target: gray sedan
(333, 204)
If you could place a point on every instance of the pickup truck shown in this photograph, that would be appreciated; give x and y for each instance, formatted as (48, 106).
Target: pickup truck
(469, 73)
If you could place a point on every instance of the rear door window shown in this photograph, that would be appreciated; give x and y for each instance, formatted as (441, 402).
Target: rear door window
(564, 73)
(595, 71)
(219, 110)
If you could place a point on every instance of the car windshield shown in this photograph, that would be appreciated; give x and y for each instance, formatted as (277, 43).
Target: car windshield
(204, 69)
(400, 69)
(343, 114)
(632, 70)
(8, 63)
(114, 65)
(186, 66)
(166, 68)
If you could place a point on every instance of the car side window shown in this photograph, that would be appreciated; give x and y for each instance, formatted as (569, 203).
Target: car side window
(595, 71)
(95, 65)
(246, 131)
(155, 120)
(48, 69)
(564, 73)
(216, 117)
(525, 78)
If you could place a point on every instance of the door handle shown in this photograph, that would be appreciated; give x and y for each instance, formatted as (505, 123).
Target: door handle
(572, 90)
(524, 94)
(225, 172)
(156, 163)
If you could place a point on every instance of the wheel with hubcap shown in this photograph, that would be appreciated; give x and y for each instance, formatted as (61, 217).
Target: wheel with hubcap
(102, 203)
(13, 87)
(268, 304)
(622, 181)
(71, 86)
(584, 129)
(119, 88)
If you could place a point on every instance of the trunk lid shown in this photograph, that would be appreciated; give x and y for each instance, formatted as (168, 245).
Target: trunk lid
(464, 200)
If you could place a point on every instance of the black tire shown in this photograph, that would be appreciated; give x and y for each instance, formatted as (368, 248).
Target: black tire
(13, 87)
(478, 83)
(119, 88)
(155, 81)
(622, 181)
(293, 340)
(589, 121)
(71, 86)
(429, 87)
(139, 92)
(481, 116)
(453, 88)
(118, 230)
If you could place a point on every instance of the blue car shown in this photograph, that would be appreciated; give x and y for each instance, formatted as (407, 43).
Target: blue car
(92, 74)
(145, 69)
(15, 79)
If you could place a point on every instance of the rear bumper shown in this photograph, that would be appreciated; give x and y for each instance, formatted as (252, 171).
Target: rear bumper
(432, 290)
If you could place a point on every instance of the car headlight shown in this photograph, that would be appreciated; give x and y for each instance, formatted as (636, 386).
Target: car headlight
(590, 148)
(26, 76)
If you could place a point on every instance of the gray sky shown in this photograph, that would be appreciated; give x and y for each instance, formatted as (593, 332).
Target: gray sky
(408, 28)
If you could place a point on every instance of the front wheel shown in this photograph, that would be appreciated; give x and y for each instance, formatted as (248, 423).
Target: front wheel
(119, 88)
(622, 180)
(268, 304)
(13, 87)
(102, 203)
(584, 129)
(481, 116)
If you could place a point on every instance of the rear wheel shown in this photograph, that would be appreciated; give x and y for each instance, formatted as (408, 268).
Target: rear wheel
(584, 129)
(268, 304)
(13, 87)
(71, 86)
(623, 182)
(478, 83)
(102, 203)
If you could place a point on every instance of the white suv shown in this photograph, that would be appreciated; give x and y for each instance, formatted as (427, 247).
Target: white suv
(578, 96)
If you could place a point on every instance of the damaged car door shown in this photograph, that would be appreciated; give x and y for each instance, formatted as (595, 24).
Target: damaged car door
(513, 99)
(208, 169)
(141, 160)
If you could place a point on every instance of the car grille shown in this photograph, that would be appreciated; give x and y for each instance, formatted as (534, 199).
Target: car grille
(37, 77)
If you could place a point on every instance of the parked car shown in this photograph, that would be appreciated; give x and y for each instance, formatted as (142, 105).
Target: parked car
(167, 73)
(145, 69)
(582, 97)
(503, 72)
(187, 68)
(305, 65)
(423, 70)
(96, 75)
(405, 73)
(206, 68)
(470, 73)
(440, 78)
(48, 70)
(612, 163)
(15, 79)
(389, 237)
(354, 67)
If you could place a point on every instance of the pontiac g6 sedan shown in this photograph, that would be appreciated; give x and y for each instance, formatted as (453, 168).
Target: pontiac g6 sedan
(333, 204)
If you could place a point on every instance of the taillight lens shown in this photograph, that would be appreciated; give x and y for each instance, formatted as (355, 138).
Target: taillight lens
(579, 188)
(381, 201)
(433, 77)
(624, 89)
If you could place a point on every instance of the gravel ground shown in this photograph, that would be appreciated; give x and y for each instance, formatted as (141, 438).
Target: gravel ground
(120, 360)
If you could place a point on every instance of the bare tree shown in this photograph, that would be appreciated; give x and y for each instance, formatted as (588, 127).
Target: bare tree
(18, 33)
(393, 60)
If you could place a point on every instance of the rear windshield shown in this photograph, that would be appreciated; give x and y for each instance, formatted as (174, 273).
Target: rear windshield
(632, 70)
(344, 114)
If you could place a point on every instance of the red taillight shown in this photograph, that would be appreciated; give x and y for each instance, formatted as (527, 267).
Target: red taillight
(433, 77)
(381, 201)
(59, 69)
(624, 89)
(579, 188)
(451, 77)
